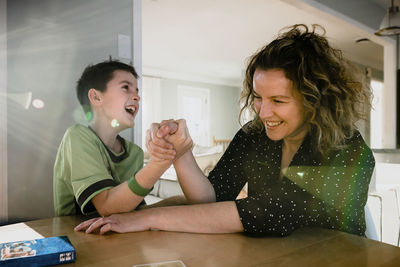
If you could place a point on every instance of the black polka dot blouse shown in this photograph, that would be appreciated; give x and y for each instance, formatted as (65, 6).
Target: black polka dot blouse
(328, 192)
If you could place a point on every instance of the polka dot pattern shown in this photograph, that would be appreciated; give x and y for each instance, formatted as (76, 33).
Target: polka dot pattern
(328, 192)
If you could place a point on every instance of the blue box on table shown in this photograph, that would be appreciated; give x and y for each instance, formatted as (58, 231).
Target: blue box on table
(38, 252)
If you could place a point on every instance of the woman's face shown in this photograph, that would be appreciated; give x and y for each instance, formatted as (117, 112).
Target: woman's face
(279, 105)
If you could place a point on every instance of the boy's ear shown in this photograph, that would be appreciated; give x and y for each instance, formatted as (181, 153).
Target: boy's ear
(94, 96)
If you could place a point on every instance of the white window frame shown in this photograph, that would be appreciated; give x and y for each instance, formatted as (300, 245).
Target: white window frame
(376, 118)
(137, 63)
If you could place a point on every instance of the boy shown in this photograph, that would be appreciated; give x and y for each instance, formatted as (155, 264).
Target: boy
(96, 169)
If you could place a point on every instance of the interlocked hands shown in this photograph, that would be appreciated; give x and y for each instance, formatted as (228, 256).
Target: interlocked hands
(168, 140)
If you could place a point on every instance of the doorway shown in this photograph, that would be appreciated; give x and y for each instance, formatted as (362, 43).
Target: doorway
(194, 107)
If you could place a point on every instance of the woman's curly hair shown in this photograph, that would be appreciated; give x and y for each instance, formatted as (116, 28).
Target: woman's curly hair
(334, 94)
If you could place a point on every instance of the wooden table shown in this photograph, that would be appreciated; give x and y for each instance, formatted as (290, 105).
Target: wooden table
(305, 247)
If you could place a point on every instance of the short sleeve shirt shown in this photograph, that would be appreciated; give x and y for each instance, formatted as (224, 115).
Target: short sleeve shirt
(328, 192)
(84, 167)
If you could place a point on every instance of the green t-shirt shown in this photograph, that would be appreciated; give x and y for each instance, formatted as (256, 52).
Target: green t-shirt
(84, 167)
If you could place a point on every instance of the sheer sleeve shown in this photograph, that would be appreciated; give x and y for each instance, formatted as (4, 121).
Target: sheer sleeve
(275, 211)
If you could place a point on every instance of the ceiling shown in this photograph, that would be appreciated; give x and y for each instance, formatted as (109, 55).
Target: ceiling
(210, 40)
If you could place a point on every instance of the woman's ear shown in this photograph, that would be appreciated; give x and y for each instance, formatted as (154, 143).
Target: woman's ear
(94, 96)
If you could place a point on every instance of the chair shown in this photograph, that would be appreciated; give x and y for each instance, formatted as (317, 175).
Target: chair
(382, 215)
(397, 194)
(223, 142)
(373, 217)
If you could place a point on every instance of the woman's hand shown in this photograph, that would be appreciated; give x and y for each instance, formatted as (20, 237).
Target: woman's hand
(120, 223)
(168, 140)
(157, 146)
(181, 139)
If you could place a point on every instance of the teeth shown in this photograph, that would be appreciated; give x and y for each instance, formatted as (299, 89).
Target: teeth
(273, 123)
(131, 109)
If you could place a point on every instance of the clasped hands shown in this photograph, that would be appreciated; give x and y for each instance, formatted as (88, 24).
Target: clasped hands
(169, 140)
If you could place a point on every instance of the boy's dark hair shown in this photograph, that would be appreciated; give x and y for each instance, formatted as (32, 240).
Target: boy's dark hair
(97, 76)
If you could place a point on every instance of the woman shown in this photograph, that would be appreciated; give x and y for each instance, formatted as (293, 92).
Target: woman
(303, 159)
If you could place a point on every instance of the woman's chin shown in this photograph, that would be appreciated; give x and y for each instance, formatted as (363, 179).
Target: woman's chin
(273, 137)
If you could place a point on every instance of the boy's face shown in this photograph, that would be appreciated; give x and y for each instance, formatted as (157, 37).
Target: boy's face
(120, 100)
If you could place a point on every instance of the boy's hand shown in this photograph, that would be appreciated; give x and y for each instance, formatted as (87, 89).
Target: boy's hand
(158, 147)
(168, 140)
(181, 139)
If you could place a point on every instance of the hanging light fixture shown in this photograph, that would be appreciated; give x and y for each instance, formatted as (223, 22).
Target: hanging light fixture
(390, 24)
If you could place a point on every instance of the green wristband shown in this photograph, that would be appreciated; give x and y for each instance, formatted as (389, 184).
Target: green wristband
(137, 189)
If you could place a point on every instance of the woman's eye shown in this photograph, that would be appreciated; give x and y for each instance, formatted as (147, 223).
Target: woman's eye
(125, 87)
(278, 101)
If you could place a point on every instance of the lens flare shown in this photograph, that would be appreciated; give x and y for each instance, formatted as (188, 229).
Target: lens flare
(89, 116)
(114, 123)
(38, 103)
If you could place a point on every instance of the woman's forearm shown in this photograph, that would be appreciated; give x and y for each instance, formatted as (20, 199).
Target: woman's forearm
(195, 185)
(218, 217)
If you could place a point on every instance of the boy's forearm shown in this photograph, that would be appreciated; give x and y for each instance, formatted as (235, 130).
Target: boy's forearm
(121, 198)
(150, 173)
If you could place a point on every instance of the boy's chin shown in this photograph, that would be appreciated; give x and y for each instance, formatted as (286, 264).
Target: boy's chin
(123, 126)
(128, 126)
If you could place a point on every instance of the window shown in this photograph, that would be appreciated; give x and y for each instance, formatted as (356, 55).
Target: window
(376, 114)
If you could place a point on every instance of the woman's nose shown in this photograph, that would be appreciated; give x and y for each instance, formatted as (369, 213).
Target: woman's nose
(265, 110)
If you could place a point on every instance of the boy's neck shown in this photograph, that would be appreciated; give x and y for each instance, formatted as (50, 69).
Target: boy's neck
(107, 134)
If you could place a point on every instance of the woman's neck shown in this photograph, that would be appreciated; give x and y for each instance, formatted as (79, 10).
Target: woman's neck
(289, 149)
(292, 146)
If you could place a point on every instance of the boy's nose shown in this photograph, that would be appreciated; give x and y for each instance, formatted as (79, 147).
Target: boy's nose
(136, 97)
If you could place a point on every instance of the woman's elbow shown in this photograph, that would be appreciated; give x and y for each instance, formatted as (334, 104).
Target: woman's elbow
(201, 199)
(267, 232)
(269, 228)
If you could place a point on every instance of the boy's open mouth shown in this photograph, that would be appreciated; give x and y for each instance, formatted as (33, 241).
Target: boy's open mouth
(131, 110)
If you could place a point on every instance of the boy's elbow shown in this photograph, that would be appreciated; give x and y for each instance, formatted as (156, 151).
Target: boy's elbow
(103, 212)
(107, 204)
(100, 203)
(105, 209)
